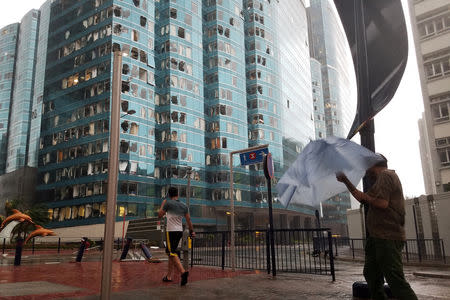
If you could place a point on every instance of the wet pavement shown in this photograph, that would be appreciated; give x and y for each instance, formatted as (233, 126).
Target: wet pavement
(142, 280)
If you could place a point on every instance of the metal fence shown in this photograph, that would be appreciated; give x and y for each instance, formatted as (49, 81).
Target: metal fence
(422, 250)
(55, 245)
(296, 250)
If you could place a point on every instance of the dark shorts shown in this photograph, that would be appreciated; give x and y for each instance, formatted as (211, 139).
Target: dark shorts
(172, 240)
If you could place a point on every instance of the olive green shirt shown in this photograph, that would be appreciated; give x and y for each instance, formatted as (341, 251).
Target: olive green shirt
(387, 223)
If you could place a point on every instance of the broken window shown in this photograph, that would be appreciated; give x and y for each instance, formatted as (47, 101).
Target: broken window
(142, 74)
(143, 56)
(134, 53)
(143, 21)
(117, 29)
(124, 146)
(124, 105)
(125, 87)
(134, 129)
(181, 33)
(135, 35)
(173, 13)
(125, 69)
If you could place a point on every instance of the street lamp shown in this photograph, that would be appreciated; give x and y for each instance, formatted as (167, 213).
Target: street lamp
(113, 169)
(186, 230)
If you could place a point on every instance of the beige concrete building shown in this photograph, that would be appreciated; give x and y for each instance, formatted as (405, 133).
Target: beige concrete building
(430, 21)
(426, 218)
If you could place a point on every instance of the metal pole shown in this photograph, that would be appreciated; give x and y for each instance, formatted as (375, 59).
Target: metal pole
(186, 230)
(272, 242)
(232, 248)
(188, 192)
(330, 248)
(419, 250)
(123, 226)
(112, 177)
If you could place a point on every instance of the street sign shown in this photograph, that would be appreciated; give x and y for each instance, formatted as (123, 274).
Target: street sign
(253, 157)
(268, 166)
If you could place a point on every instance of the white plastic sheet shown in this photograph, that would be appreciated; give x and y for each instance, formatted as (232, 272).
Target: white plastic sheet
(312, 177)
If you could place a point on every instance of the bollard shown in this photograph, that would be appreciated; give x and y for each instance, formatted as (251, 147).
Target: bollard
(84, 244)
(185, 249)
(4, 242)
(32, 247)
(126, 247)
(59, 245)
(19, 248)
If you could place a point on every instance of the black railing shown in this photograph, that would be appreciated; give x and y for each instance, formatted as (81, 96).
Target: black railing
(430, 250)
(296, 250)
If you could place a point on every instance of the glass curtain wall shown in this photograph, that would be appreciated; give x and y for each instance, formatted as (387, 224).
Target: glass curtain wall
(8, 44)
(21, 103)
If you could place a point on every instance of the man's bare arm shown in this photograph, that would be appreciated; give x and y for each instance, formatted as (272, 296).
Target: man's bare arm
(188, 221)
(361, 196)
(161, 211)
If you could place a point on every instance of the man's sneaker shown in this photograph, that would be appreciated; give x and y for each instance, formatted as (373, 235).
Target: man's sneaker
(184, 278)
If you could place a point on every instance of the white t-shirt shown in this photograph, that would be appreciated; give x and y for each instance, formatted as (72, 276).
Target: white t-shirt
(175, 211)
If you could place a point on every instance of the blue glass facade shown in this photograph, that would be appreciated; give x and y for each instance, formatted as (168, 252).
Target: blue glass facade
(204, 77)
(8, 44)
(20, 114)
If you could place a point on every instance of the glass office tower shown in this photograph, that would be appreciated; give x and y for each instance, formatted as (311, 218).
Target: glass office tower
(335, 99)
(8, 44)
(204, 77)
(20, 107)
(38, 88)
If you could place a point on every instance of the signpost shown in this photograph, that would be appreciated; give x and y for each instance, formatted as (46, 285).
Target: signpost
(268, 172)
(252, 155)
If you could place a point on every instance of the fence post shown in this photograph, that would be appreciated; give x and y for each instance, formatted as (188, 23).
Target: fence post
(19, 248)
(336, 245)
(223, 251)
(59, 245)
(407, 253)
(268, 251)
(419, 250)
(353, 250)
(443, 250)
(192, 252)
(330, 248)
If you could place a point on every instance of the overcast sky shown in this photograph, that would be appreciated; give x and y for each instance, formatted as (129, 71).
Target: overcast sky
(396, 129)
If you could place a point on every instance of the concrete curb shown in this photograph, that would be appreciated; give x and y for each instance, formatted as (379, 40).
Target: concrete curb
(412, 264)
(432, 275)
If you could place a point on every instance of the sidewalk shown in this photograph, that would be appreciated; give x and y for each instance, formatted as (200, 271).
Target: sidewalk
(142, 280)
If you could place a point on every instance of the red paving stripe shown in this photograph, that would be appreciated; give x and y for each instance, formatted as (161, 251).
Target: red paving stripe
(87, 275)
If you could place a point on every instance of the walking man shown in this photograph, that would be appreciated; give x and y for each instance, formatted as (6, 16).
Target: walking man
(175, 211)
(386, 227)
